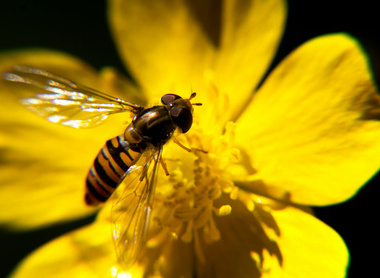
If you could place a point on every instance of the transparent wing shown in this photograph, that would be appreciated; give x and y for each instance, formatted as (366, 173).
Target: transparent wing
(62, 101)
(132, 207)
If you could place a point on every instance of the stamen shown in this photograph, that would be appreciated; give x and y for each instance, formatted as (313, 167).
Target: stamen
(188, 235)
(189, 200)
(224, 210)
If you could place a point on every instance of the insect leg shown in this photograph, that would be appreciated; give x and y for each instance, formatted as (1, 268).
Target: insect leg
(163, 164)
(175, 140)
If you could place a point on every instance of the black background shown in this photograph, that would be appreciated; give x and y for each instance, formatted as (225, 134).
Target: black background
(80, 28)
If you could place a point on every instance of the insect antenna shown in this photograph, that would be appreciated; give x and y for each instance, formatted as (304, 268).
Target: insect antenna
(193, 95)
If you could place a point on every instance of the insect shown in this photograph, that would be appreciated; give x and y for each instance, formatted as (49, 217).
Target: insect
(132, 156)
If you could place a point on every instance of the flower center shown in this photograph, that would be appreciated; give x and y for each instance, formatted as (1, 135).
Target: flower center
(185, 204)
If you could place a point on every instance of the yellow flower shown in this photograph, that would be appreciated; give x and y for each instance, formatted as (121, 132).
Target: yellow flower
(308, 136)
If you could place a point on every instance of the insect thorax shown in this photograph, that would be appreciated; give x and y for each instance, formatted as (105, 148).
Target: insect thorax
(153, 126)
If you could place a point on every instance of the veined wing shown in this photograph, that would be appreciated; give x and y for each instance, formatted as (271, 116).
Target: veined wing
(132, 207)
(62, 101)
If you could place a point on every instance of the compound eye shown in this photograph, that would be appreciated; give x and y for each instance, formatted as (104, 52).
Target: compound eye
(169, 98)
(182, 117)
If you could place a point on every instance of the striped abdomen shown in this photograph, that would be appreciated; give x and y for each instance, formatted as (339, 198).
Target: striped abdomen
(108, 170)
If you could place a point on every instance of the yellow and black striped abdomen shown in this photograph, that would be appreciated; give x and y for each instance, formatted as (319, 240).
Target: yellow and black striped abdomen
(108, 170)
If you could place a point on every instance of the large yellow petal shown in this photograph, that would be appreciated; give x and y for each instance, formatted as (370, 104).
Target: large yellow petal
(44, 165)
(251, 32)
(162, 43)
(264, 242)
(239, 251)
(309, 247)
(312, 131)
(220, 50)
(87, 252)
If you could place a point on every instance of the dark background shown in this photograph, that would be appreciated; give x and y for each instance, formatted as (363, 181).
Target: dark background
(80, 28)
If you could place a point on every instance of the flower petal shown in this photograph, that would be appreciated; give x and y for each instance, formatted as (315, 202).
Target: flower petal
(163, 255)
(87, 252)
(177, 46)
(273, 243)
(162, 43)
(173, 258)
(238, 251)
(251, 32)
(309, 247)
(44, 165)
(312, 131)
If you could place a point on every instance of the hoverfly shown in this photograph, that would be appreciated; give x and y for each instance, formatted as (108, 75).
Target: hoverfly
(132, 156)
